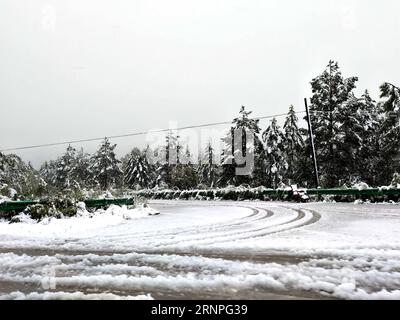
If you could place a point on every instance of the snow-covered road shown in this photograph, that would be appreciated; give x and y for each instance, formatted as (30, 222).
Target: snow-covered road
(212, 249)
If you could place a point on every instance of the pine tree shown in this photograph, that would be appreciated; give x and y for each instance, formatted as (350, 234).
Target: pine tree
(330, 92)
(64, 169)
(169, 156)
(358, 146)
(2, 169)
(392, 102)
(23, 178)
(276, 164)
(349, 141)
(138, 170)
(60, 173)
(48, 172)
(369, 158)
(105, 166)
(186, 157)
(293, 145)
(81, 172)
(208, 170)
(244, 125)
(228, 167)
(183, 174)
(390, 131)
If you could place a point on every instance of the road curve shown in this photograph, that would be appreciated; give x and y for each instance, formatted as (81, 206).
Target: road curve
(202, 255)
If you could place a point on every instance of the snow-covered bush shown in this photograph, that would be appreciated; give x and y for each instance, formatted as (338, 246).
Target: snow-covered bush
(140, 201)
(396, 180)
(360, 186)
(243, 192)
(40, 211)
(7, 193)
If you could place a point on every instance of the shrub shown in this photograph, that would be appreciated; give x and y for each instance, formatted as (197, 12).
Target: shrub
(40, 211)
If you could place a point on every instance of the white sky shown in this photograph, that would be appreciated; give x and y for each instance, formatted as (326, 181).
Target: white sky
(81, 69)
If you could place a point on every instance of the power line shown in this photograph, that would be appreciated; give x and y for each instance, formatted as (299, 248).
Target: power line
(136, 133)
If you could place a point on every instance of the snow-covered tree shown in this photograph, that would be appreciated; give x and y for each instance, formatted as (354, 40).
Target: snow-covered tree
(82, 173)
(390, 129)
(208, 169)
(183, 174)
(293, 144)
(185, 157)
(358, 142)
(47, 171)
(392, 103)
(370, 157)
(183, 177)
(71, 169)
(349, 139)
(3, 168)
(228, 167)
(105, 165)
(276, 164)
(169, 156)
(330, 92)
(245, 125)
(64, 166)
(16, 175)
(138, 172)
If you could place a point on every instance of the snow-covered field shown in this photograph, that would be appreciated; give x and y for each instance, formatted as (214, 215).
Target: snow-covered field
(197, 249)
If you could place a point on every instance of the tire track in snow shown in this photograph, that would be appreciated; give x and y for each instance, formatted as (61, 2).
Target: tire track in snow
(315, 217)
(205, 232)
(209, 273)
(255, 216)
(244, 234)
(148, 234)
(172, 275)
(196, 276)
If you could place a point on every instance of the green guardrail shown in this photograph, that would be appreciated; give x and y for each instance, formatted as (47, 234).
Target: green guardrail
(95, 203)
(279, 194)
(16, 205)
(90, 203)
(373, 192)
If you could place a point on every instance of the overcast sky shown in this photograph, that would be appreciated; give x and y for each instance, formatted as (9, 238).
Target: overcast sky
(80, 69)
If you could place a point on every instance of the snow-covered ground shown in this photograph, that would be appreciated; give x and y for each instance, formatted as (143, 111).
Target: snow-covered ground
(196, 249)
(83, 224)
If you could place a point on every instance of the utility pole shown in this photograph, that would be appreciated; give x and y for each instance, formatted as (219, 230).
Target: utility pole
(313, 154)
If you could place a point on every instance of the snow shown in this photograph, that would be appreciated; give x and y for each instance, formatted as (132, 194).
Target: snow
(12, 192)
(82, 224)
(224, 249)
(17, 295)
(4, 198)
(361, 186)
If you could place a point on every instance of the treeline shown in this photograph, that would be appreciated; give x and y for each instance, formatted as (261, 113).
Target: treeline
(356, 139)
(171, 165)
